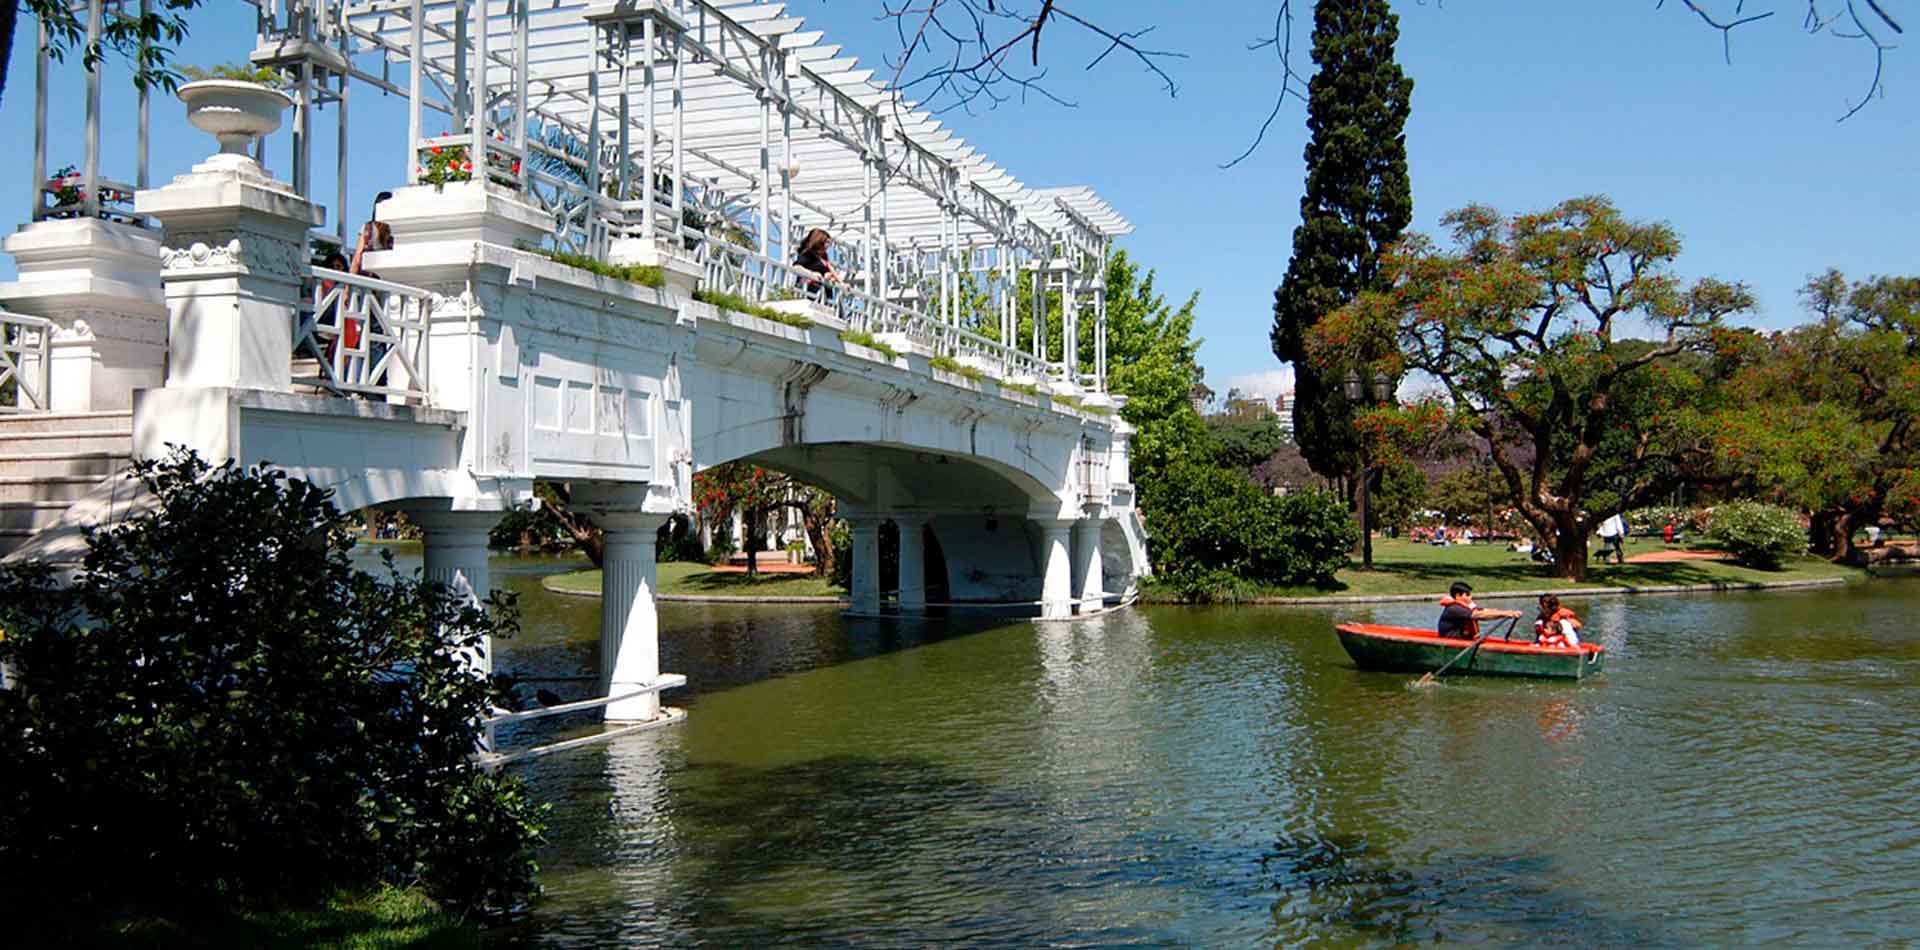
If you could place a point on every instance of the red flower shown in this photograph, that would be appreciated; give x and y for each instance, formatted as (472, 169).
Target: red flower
(466, 166)
(436, 150)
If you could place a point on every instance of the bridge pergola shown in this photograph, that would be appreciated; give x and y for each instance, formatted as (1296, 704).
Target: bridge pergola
(720, 131)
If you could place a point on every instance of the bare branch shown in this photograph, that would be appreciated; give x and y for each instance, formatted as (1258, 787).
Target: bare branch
(955, 54)
(1282, 43)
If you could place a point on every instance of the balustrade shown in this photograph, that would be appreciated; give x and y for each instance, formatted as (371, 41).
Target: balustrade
(364, 335)
(25, 363)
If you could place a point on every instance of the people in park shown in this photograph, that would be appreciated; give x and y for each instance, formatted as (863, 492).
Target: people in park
(1555, 626)
(812, 257)
(1460, 617)
(1613, 536)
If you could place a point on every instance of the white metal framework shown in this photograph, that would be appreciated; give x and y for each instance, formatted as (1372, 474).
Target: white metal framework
(713, 128)
(25, 362)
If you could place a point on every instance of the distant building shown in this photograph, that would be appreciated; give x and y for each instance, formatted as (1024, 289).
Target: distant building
(1283, 406)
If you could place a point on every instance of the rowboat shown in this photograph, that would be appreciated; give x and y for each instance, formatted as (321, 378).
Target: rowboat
(1411, 650)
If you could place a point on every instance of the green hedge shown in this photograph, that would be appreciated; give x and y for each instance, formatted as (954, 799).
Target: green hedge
(1213, 532)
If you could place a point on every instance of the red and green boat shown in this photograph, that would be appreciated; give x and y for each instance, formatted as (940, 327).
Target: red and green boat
(1411, 650)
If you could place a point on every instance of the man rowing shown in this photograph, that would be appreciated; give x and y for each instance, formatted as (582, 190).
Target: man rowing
(1460, 617)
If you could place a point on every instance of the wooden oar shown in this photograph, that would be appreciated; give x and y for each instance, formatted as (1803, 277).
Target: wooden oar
(1429, 679)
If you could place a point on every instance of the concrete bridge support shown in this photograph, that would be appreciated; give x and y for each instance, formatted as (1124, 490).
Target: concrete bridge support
(865, 593)
(913, 562)
(1056, 560)
(1089, 581)
(629, 617)
(455, 550)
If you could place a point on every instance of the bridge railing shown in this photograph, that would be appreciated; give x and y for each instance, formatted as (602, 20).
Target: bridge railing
(741, 272)
(363, 335)
(26, 363)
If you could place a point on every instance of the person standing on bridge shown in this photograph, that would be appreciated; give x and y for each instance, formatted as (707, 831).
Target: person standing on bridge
(812, 258)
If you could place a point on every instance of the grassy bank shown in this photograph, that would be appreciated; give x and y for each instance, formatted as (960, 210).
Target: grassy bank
(383, 919)
(1404, 567)
(690, 579)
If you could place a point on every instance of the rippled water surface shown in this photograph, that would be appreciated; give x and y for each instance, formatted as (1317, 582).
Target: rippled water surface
(1745, 771)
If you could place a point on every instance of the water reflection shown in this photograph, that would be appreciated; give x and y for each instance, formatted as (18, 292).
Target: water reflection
(1742, 773)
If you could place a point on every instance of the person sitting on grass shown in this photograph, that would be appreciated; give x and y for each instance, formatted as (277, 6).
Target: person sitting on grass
(1556, 626)
(1460, 617)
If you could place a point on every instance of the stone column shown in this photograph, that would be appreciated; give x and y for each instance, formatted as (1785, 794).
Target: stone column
(1089, 583)
(1056, 565)
(865, 583)
(913, 562)
(235, 253)
(629, 620)
(99, 282)
(456, 555)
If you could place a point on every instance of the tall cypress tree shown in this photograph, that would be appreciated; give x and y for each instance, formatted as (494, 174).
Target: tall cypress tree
(1358, 200)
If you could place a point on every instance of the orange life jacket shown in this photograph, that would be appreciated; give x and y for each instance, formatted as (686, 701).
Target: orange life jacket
(1473, 626)
(1550, 635)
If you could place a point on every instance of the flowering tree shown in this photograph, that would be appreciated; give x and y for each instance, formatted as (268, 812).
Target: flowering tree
(1524, 324)
(1826, 417)
(757, 492)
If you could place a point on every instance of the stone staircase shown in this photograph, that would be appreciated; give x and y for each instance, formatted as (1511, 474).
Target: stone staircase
(49, 461)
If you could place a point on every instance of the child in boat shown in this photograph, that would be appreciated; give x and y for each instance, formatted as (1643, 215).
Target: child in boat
(1460, 617)
(1556, 626)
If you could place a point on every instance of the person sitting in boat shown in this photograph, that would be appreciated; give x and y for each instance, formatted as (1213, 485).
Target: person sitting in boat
(1556, 626)
(1460, 617)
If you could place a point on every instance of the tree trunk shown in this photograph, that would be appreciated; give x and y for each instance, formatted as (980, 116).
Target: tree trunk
(1569, 549)
(750, 526)
(1843, 549)
(1822, 533)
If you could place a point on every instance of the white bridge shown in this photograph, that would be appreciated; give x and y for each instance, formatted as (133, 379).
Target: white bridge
(587, 283)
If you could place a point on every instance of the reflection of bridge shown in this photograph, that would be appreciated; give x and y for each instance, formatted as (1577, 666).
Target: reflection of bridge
(954, 385)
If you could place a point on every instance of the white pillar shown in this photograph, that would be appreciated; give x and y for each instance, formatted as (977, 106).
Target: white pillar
(1056, 565)
(455, 549)
(235, 253)
(1089, 583)
(629, 620)
(866, 564)
(99, 282)
(913, 562)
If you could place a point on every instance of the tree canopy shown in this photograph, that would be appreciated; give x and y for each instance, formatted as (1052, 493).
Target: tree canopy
(1826, 417)
(1358, 201)
(1526, 325)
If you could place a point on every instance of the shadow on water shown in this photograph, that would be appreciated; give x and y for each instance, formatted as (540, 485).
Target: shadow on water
(846, 850)
(1337, 884)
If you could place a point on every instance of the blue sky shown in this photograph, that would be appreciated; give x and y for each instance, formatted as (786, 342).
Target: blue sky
(1517, 105)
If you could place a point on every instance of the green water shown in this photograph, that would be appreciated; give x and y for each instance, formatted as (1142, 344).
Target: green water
(1745, 771)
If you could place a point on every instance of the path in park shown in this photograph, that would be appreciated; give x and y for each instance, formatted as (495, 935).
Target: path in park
(1684, 554)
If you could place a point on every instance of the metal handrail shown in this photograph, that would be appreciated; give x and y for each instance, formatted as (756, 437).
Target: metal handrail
(736, 270)
(367, 335)
(26, 363)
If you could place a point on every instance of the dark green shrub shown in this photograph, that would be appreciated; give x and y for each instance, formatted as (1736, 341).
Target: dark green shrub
(222, 709)
(1758, 535)
(1216, 535)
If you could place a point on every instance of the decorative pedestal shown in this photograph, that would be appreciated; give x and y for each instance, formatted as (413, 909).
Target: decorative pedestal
(99, 282)
(461, 213)
(234, 257)
(683, 276)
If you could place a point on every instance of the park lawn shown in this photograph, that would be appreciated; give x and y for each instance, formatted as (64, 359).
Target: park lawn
(1406, 567)
(695, 579)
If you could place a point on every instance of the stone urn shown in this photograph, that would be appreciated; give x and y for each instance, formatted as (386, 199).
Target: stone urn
(236, 113)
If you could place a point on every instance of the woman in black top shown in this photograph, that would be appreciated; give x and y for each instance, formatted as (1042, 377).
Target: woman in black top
(813, 257)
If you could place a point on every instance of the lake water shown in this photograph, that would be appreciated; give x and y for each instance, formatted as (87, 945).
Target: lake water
(1746, 770)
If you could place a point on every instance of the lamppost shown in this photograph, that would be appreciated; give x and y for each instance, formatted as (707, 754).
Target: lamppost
(1358, 393)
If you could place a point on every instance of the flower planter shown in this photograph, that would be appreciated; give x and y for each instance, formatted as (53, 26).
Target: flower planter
(234, 112)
